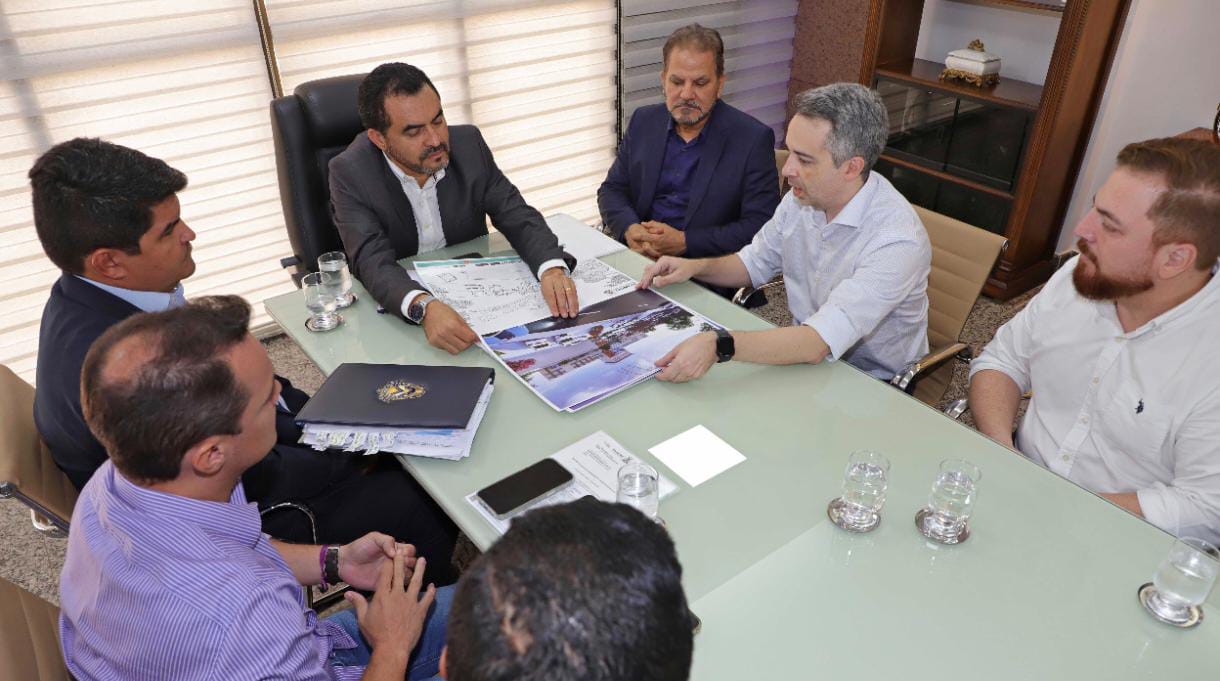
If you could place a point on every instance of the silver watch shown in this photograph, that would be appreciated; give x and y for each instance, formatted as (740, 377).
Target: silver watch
(417, 308)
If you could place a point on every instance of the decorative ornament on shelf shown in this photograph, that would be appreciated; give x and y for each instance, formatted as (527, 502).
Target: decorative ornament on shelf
(972, 65)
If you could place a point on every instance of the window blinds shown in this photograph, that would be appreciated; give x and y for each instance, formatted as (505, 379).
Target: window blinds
(536, 78)
(757, 37)
(187, 82)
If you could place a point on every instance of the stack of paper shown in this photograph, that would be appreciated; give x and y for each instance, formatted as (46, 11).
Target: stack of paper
(581, 240)
(496, 293)
(612, 344)
(434, 443)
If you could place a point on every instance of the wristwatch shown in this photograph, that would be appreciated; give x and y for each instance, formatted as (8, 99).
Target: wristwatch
(415, 311)
(725, 348)
(330, 566)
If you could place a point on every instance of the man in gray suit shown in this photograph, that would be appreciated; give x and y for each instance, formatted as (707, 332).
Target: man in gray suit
(399, 189)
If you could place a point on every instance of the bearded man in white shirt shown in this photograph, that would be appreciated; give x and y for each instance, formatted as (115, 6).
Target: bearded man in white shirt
(854, 254)
(1119, 348)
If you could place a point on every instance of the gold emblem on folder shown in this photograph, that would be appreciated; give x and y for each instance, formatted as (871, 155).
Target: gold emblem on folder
(395, 391)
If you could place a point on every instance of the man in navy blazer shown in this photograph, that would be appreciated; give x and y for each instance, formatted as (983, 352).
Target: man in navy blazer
(109, 217)
(694, 176)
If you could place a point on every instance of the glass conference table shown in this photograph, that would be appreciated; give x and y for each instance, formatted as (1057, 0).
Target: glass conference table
(1044, 588)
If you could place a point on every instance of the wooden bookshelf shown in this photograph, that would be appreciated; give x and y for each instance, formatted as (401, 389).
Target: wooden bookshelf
(1008, 92)
(1061, 113)
(1047, 6)
(947, 177)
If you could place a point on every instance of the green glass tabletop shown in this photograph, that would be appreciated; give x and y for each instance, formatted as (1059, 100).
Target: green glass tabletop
(1045, 587)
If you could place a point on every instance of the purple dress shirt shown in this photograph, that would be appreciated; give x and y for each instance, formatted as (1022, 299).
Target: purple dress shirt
(677, 175)
(158, 586)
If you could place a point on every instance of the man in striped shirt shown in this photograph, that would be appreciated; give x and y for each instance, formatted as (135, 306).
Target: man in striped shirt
(110, 218)
(168, 574)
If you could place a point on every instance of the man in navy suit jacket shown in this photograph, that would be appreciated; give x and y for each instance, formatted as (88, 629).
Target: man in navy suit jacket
(694, 176)
(109, 217)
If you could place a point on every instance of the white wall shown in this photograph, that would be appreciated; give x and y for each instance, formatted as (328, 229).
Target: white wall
(1024, 40)
(1165, 79)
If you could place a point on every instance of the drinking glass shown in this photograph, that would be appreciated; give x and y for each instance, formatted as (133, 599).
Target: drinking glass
(1182, 581)
(951, 502)
(321, 291)
(336, 261)
(638, 487)
(864, 483)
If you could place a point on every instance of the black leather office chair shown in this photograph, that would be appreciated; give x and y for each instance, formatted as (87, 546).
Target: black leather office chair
(310, 127)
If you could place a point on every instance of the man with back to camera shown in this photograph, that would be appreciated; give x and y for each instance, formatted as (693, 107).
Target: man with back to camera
(694, 176)
(400, 189)
(1119, 347)
(854, 254)
(168, 575)
(586, 591)
(110, 218)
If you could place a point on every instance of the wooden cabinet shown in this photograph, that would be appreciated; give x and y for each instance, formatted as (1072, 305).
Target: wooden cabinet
(1003, 157)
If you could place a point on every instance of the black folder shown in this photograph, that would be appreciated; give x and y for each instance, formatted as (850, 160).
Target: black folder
(397, 396)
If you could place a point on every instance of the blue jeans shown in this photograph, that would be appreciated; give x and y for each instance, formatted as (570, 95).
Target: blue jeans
(425, 659)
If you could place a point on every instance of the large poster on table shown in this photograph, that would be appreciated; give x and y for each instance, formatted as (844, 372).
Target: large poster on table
(609, 346)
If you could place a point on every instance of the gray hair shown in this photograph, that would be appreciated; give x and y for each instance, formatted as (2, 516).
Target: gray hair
(859, 124)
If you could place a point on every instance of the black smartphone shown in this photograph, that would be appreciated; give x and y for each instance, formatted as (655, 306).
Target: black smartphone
(524, 486)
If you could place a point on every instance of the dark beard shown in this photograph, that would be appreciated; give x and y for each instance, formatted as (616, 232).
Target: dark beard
(418, 167)
(702, 115)
(1097, 286)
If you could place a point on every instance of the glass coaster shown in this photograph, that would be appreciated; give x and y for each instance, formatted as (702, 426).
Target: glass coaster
(352, 298)
(1193, 617)
(309, 324)
(921, 524)
(836, 509)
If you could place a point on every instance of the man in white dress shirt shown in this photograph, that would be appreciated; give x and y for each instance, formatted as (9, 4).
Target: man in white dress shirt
(854, 255)
(1120, 347)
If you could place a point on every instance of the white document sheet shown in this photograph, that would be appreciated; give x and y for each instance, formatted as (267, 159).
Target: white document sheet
(581, 240)
(697, 455)
(492, 294)
(594, 463)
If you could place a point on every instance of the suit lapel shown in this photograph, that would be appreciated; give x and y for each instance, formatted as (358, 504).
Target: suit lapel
(406, 236)
(653, 150)
(449, 197)
(713, 147)
(465, 193)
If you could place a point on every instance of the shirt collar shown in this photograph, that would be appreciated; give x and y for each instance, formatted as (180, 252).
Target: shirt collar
(148, 301)
(238, 519)
(1208, 296)
(404, 178)
(852, 214)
